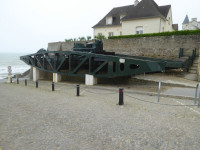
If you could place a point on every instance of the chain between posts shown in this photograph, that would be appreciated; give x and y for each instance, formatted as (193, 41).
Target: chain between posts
(121, 94)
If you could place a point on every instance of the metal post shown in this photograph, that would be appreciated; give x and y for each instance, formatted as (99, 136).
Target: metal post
(121, 96)
(17, 80)
(36, 84)
(11, 80)
(179, 53)
(199, 101)
(197, 87)
(52, 86)
(25, 82)
(159, 87)
(77, 90)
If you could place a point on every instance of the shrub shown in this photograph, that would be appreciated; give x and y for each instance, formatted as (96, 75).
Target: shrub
(184, 32)
(68, 40)
(100, 37)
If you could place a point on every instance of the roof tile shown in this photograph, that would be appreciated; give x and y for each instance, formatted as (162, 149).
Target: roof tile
(144, 9)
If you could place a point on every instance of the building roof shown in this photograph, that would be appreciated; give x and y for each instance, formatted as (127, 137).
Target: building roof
(144, 9)
(115, 13)
(186, 20)
(175, 26)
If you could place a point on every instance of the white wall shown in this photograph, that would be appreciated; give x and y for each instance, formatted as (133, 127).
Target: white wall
(150, 25)
(190, 26)
(167, 24)
(105, 30)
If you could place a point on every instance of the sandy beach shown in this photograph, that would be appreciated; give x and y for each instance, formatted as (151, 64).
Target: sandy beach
(37, 118)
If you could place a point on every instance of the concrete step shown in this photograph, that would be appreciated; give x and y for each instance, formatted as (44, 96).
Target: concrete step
(193, 71)
(195, 61)
(195, 65)
(193, 68)
(187, 54)
(191, 76)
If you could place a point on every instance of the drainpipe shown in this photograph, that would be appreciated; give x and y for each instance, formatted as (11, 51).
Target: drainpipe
(160, 25)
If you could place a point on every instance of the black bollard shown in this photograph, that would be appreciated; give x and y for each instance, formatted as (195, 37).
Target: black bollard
(36, 84)
(17, 80)
(52, 86)
(11, 80)
(121, 96)
(25, 82)
(77, 90)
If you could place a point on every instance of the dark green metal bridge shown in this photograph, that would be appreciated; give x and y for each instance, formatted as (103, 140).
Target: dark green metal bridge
(92, 59)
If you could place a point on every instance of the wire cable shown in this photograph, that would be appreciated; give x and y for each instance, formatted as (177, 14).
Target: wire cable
(155, 102)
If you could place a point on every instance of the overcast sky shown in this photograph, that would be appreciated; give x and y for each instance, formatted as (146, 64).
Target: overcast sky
(28, 25)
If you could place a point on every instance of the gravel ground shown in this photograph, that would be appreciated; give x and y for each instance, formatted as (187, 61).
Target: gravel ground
(32, 118)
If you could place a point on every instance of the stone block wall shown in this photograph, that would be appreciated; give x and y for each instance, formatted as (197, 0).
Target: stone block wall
(62, 46)
(163, 47)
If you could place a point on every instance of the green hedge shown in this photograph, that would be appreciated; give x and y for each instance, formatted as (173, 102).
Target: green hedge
(184, 32)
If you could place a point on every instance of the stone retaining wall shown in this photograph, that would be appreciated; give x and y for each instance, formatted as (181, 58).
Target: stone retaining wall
(62, 46)
(164, 46)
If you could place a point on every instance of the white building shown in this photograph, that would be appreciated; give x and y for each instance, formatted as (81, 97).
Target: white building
(190, 25)
(142, 17)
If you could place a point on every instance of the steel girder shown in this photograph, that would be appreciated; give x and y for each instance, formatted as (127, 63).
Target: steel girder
(74, 63)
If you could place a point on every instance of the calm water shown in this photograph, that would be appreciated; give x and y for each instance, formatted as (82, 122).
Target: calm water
(13, 60)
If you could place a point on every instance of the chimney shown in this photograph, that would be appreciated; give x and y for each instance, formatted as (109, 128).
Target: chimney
(136, 2)
(194, 19)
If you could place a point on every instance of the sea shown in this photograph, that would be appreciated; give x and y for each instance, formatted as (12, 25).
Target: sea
(13, 60)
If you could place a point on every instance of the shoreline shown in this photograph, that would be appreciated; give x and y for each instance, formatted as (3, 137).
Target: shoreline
(18, 75)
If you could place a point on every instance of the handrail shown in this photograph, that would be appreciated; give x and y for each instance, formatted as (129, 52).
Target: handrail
(197, 87)
(199, 101)
(181, 53)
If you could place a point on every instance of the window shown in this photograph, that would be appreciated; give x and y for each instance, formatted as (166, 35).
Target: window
(169, 21)
(121, 16)
(139, 30)
(110, 34)
(109, 20)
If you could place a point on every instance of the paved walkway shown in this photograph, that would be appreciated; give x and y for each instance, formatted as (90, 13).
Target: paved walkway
(32, 118)
(167, 78)
(181, 91)
(174, 85)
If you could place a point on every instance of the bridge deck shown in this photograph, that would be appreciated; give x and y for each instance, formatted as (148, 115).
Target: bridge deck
(76, 63)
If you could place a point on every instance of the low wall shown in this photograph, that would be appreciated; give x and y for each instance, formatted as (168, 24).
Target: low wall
(62, 46)
(164, 46)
